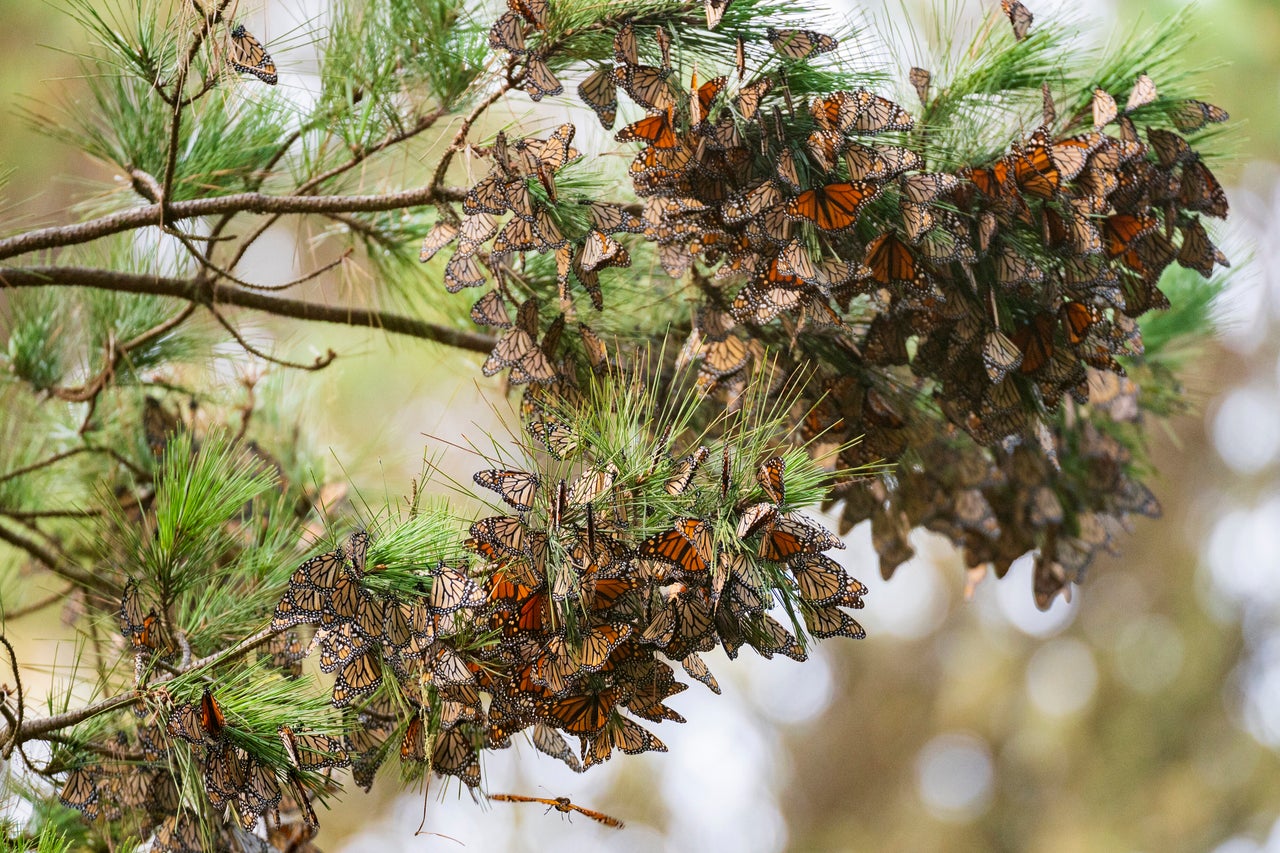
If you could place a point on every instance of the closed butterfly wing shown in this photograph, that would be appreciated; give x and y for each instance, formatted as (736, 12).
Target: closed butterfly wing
(248, 56)
(539, 81)
(800, 44)
(600, 93)
(1020, 17)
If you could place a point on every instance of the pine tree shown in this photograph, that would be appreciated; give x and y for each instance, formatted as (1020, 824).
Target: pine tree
(950, 295)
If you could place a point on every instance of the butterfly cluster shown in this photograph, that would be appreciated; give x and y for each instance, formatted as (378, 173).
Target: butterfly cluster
(140, 774)
(590, 613)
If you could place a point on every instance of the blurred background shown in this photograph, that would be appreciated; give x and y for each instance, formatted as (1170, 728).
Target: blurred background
(1144, 715)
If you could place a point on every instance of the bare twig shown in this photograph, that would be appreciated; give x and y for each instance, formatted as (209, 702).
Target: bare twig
(321, 362)
(202, 292)
(60, 567)
(16, 725)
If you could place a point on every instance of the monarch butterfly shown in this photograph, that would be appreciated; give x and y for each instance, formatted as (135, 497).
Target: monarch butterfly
(600, 93)
(80, 791)
(539, 81)
(1105, 108)
(786, 169)
(654, 129)
(549, 741)
(754, 518)
(891, 263)
(223, 774)
(830, 621)
(1071, 155)
(1035, 340)
(259, 794)
(874, 114)
(663, 38)
(1143, 93)
(622, 734)
(579, 714)
(787, 536)
(920, 80)
(611, 218)
(1122, 231)
(1014, 269)
(517, 350)
(1020, 17)
(591, 485)
(452, 590)
(490, 310)
(687, 546)
(722, 358)
(1034, 171)
(715, 10)
(517, 488)
(684, 471)
(646, 85)
(704, 96)
(800, 44)
(563, 804)
(338, 646)
(999, 356)
(455, 755)
(768, 637)
(178, 833)
(697, 668)
(626, 51)
(463, 271)
(1077, 318)
(560, 440)
(1171, 149)
(212, 720)
(312, 751)
(1201, 191)
(533, 11)
(927, 186)
(507, 33)
(1197, 251)
(769, 476)
(879, 163)
(749, 97)
(739, 54)
(360, 677)
(821, 580)
(1190, 115)
(834, 207)
(599, 251)
(441, 235)
(646, 699)
(249, 57)
(475, 230)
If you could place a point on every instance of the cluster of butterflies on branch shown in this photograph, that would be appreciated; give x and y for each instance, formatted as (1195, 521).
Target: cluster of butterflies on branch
(144, 777)
(973, 301)
(567, 622)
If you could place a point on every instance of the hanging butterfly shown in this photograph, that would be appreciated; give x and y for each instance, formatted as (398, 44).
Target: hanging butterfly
(800, 44)
(533, 11)
(507, 33)
(247, 56)
(920, 80)
(682, 476)
(517, 488)
(1020, 17)
(600, 93)
(539, 81)
(1190, 115)
(442, 234)
(749, 97)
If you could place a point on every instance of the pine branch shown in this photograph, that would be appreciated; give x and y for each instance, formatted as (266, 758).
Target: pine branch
(252, 202)
(203, 292)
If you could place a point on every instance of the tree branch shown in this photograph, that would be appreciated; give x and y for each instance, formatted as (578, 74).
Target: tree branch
(252, 202)
(70, 571)
(203, 292)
